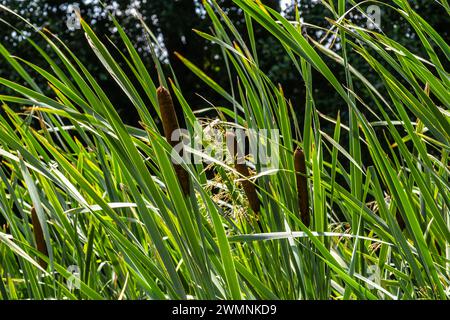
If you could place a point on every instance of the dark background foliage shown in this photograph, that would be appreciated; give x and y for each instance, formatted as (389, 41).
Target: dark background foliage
(172, 22)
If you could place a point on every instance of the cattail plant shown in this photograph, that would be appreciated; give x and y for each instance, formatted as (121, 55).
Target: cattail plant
(302, 185)
(400, 221)
(39, 237)
(170, 124)
(241, 168)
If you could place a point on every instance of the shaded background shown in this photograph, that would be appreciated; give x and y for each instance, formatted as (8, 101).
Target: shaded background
(172, 22)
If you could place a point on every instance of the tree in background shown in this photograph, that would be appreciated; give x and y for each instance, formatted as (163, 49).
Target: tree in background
(172, 22)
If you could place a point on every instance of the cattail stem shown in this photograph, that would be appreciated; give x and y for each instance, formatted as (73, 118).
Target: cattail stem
(241, 168)
(400, 221)
(170, 124)
(39, 237)
(302, 186)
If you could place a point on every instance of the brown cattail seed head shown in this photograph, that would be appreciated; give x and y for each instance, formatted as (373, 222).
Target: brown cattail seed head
(302, 185)
(241, 168)
(168, 114)
(39, 237)
(170, 124)
(400, 221)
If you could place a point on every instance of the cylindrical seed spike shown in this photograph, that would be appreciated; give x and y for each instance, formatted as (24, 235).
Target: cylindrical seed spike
(39, 237)
(302, 185)
(170, 124)
(239, 165)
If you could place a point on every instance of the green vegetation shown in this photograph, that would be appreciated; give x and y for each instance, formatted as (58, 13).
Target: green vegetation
(79, 187)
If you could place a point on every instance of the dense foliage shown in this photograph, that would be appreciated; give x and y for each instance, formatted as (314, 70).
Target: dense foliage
(95, 208)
